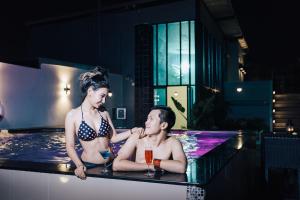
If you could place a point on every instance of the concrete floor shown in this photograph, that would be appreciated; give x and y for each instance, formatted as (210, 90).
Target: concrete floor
(243, 178)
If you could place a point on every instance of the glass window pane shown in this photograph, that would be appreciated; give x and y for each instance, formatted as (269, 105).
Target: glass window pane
(193, 92)
(213, 53)
(160, 96)
(204, 56)
(154, 55)
(192, 51)
(161, 48)
(218, 66)
(185, 52)
(173, 54)
(209, 60)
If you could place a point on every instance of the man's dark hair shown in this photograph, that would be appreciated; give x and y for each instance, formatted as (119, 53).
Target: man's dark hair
(166, 115)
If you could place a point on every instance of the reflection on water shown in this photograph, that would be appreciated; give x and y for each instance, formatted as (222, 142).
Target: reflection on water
(50, 147)
(198, 143)
(37, 147)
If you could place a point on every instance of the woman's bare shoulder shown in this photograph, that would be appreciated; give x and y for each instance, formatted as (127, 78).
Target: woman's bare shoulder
(105, 114)
(73, 113)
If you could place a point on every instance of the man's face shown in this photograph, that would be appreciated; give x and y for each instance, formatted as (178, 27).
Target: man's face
(153, 125)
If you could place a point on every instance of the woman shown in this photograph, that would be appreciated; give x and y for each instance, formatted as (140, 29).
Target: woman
(91, 123)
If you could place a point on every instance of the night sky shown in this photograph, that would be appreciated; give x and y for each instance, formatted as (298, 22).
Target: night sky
(270, 27)
(271, 30)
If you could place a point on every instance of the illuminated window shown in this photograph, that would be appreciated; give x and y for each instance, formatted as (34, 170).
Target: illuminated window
(174, 69)
(174, 59)
(161, 55)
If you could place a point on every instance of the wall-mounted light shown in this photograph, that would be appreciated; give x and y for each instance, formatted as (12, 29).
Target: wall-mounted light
(274, 100)
(274, 121)
(215, 90)
(67, 89)
(290, 127)
(274, 92)
(273, 110)
(243, 43)
(242, 70)
(110, 94)
(175, 93)
(239, 89)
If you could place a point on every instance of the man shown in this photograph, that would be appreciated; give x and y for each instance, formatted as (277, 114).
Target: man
(167, 151)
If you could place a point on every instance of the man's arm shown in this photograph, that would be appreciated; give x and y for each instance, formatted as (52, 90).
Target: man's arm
(122, 162)
(178, 164)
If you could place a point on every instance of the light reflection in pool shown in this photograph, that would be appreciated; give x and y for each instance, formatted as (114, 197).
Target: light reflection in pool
(50, 147)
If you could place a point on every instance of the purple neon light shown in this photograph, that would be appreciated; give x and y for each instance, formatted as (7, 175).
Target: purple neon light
(198, 143)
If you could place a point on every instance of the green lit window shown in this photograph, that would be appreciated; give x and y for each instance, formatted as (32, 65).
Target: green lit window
(161, 57)
(192, 52)
(185, 53)
(154, 56)
(173, 54)
(174, 60)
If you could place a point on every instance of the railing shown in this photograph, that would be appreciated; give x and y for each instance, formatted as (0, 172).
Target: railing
(281, 151)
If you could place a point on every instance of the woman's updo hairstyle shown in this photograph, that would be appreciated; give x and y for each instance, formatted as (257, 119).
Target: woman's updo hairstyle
(97, 78)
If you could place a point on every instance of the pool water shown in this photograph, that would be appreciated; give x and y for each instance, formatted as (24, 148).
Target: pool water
(37, 147)
(50, 147)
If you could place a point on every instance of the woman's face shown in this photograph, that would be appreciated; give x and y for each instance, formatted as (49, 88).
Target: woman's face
(97, 97)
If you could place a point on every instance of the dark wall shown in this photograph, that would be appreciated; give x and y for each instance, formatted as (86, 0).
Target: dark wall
(109, 39)
(73, 40)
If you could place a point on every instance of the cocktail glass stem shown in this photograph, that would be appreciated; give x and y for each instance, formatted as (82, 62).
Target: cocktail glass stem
(148, 174)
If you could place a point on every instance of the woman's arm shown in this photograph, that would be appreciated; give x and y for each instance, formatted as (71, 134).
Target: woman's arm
(114, 136)
(70, 144)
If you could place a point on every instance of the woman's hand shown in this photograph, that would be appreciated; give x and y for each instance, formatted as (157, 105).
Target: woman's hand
(79, 172)
(138, 131)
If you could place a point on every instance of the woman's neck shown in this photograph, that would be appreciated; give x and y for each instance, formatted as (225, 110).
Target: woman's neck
(87, 107)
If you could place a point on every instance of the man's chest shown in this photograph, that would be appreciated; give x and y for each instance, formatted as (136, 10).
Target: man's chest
(162, 152)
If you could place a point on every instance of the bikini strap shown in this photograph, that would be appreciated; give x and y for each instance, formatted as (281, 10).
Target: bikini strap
(102, 118)
(81, 113)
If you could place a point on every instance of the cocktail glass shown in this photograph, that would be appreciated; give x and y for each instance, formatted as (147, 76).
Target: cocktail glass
(149, 158)
(105, 154)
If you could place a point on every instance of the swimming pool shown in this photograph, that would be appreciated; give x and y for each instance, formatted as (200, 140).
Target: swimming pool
(31, 162)
(50, 147)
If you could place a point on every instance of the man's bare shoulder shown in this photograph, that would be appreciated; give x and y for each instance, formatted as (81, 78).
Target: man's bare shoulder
(172, 140)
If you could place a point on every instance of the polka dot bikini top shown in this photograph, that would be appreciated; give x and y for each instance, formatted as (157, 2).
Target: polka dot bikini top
(86, 133)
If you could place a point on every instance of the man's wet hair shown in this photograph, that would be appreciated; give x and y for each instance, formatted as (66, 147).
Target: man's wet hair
(166, 115)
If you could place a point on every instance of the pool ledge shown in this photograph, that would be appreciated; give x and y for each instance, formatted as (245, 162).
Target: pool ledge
(165, 178)
(199, 173)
